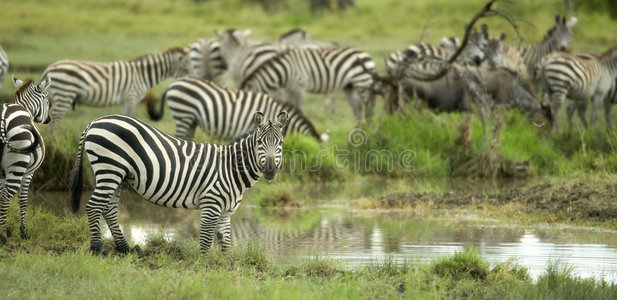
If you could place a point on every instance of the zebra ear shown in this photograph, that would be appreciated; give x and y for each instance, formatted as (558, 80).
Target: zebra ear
(43, 85)
(258, 118)
(485, 31)
(572, 22)
(218, 34)
(17, 82)
(282, 119)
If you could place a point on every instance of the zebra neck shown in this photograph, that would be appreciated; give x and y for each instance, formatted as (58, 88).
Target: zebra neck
(155, 68)
(26, 104)
(243, 162)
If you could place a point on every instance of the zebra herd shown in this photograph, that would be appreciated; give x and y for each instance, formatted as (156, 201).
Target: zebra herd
(271, 80)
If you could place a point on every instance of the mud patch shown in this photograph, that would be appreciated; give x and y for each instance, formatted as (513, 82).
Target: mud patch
(568, 200)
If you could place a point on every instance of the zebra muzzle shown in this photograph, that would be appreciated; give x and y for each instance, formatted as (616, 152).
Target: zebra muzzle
(269, 169)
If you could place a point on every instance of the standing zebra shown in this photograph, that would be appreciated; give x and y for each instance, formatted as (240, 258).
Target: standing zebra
(581, 78)
(175, 173)
(22, 145)
(4, 65)
(222, 112)
(557, 38)
(322, 71)
(206, 61)
(115, 83)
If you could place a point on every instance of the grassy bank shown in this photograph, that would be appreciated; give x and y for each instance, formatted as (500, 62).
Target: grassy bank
(55, 263)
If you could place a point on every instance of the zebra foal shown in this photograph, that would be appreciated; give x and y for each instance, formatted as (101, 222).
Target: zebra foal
(107, 84)
(22, 146)
(174, 173)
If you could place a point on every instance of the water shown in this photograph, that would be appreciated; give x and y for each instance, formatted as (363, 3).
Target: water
(360, 237)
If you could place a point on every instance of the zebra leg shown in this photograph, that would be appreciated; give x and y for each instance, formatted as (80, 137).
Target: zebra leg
(556, 100)
(354, 101)
(185, 128)
(210, 215)
(23, 204)
(581, 110)
(60, 105)
(11, 185)
(296, 96)
(130, 101)
(223, 231)
(329, 102)
(98, 203)
(607, 113)
(111, 217)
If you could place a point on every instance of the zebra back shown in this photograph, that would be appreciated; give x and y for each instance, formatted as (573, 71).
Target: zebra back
(225, 113)
(321, 70)
(206, 61)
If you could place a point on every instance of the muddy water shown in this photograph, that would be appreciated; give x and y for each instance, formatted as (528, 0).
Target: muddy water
(359, 237)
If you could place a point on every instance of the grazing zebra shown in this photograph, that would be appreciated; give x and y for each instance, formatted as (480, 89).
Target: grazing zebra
(323, 71)
(222, 112)
(586, 78)
(175, 173)
(4, 65)
(206, 61)
(557, 38)
(115, 83)
(22, 145)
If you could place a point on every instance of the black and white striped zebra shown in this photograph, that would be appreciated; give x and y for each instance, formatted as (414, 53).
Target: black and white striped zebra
(22, 146)
(172, 172)
(4, 65)
(321, 71)
(222, 112)
(243, 56)
(587, 79)
(206, 61)
(558, 38)
(107, 84)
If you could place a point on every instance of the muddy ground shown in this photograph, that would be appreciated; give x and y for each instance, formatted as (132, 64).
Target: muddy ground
(569, 200)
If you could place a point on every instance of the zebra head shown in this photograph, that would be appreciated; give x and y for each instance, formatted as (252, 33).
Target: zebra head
(476, 45)
(560, 36)
(34, 98)
(269, 143)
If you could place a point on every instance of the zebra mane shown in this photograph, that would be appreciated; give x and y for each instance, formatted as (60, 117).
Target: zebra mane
(259, 67)
(146, 55)
(608, 53)
(27, 83)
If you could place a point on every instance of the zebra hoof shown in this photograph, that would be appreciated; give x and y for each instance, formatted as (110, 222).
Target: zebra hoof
(23, 233)
(96, 248)
(123, 249)
(3, 237)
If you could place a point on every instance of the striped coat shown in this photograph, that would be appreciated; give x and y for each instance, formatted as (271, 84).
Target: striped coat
(22, 146)
(175, 173)
(107, 84)
(222, 112)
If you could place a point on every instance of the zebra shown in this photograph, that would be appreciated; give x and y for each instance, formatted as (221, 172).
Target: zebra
(115, 83)
(172, 172)
(206, 61)
(222, 112)
(558, 38)
(323, 70)
(4, 65)
(22, 146)
(244, 56)
(473, 54)
(580, 78)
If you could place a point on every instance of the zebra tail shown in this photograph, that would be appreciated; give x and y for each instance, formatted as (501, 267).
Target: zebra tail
(77, 173)
(150, 100)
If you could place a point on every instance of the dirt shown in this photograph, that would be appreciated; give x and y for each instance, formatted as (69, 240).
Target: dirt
(565, 199)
